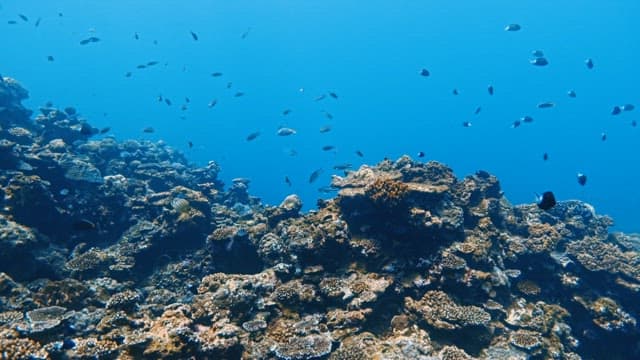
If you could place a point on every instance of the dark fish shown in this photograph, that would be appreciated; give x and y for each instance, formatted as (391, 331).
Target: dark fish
(238, 94)
(83, 225)
(466, 124)
(315, 175)
(537, 53)
(167, 101)
(286, 112)
(325, 129)
(128, 74)
(582, 179)
(327, 189)
(455, 92)
(478, 109)
(634, 123)
(50, 58)
(515, 124)
(141, 66)
(245, 34)
(212, 103)
(526, 119)
(603, 136)
(328, 148)
(321, 97)
(253, 136)
(287, 181)
(546, 105)
(60, 14)
(229, 84)
(12, 22)
(540, 61)
(512, 27)
(160, 98)
(327, 114)
(67, 344)
(333, 95)
(151, 63)
(359, 153)
(424, 72)
(547, 201)
(86, 129)
(136, 36)
(37, 22)
(84, 42)
(105, 130)
(616, 110)
(24, 18)
(627, 107)
(490, 89)
(216, 74)
(187, 100)
(545, 156)
(420, 154)
(148, 130)
(571, 93)
(190, 145)
(589, 63)
(184, 107)
(194, 36)
(344, 166)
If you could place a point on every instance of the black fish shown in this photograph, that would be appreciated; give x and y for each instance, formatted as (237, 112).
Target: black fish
(84, 42)
(589, 63)
(24, 18)
(634, 123)
(105, 130)
(148, 130)
(424, 72)
(571, 93)
(455, 92)
(86, 129)
(50, 58)
(546, 105)
(582, 179)
(190, 145)
(194, 36)
(216, 74)
(286, 112)
(38, 22)
(83, 225)
(466, 124)
(537, 53)
(548, 201)
(141, 66)
(167, 101)
(420, 154)
(512, 27)
(287, 181)
(238, 94)
(328, 148)
(539, 61)
(151, 63)
(212, 103)
(603, 136)
(12, 22)
(490, 89)
(187, 100)
(315, 175)
(478, 109)
(359, 153)
(333, 95)
(616, 110)
(627, 107)
(127, 74)
(136, 36)
(545, 156)
(253, 136)
(229, 84)
(515, 124)
(526, 119)
(245, 34)
(184, 107)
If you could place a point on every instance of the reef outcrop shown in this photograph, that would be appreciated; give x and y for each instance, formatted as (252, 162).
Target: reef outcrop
(123, 250)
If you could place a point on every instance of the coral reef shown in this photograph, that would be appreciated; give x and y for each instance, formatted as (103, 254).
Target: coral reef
(123, 250)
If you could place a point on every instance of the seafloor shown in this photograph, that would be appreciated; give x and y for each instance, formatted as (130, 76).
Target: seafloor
(123, 250)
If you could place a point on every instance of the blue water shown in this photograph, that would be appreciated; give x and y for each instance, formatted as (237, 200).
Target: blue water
(369, 54)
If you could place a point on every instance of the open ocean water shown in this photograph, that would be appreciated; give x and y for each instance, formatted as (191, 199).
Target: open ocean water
(286, 54)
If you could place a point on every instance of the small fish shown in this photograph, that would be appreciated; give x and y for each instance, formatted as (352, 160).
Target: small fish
(286, 112)
(212, 103)
(537, 53)
(194, 35)
(320, 97)
(359, 153)
(333, 95)
(627, 107)
(571, 93)
(238, 94)
(634, 123)
(344, 166)
(539, 61)
(589, 63)
(229, 84)
(478, 109)
(253, 136)
(50, 58)
(516, 124)
(184, 107)
(328, 148)
(141, 66)
(190, 145)
(315, 175)
(152, 63)
(526, 119)
(546, 105)
(127, 74)
(245, 34)
(327, 189)
(616, 110)
(12, 22)
(327, 114)
(23, 17)
(547, 201)
(37, 22)
(420, 154)
(84, 42)
(136, 36)
(187, 100)
(545, 156)
(167, 101)
(582, 179)
(455, 92)
(160, 98)
(148, 130)
(83, 225)
(466, 124)
(216, 74)
(105, 130)
(490, 89)
(287, 181)
(285, 131)
(325, 129)
(512, 27)
(424, 72)
(603, 136)
(69, 110)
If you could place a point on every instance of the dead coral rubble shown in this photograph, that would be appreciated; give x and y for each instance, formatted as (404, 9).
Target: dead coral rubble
(132, 253)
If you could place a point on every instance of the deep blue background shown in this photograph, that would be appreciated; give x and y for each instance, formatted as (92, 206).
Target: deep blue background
(370, 54)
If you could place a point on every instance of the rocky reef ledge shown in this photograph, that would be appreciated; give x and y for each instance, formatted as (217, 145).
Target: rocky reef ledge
(123, 250)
